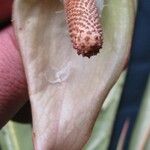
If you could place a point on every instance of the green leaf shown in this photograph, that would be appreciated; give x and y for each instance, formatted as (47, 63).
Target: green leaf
(16, 136)
(102, 130)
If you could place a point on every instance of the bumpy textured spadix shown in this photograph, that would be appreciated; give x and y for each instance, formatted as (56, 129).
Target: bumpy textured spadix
(84, 26)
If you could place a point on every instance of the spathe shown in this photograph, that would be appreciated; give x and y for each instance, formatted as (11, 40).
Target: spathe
(66, 90)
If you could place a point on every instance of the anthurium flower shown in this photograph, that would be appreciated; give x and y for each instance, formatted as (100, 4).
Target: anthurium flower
(66, 90)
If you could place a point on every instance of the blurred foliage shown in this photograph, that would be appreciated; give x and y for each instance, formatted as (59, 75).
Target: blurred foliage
(141, 135)
(16, 136)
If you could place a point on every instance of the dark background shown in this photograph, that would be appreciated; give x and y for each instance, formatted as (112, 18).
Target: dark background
(137, 76)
